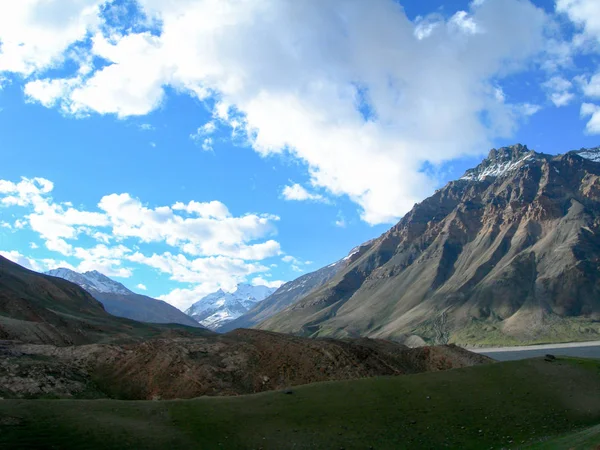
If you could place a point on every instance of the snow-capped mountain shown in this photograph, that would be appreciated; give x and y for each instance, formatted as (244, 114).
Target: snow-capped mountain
(120, 301)
(500, 163)
(218, 308)
(91, 281)
(589, 153)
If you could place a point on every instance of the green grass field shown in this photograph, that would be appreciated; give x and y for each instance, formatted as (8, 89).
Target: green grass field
(521, 404)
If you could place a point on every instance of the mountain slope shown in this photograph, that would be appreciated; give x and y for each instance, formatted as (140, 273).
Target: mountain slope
(41, 309)
(219, 308)
(291, 292)
(120, 301)
(509, 253)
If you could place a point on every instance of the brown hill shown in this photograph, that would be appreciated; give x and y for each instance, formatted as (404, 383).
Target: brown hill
(45, 322)
(43, 309)
(509, 253)
(241, 362)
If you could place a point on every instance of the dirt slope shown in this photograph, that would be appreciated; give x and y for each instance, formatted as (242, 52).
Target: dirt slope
(244, 361)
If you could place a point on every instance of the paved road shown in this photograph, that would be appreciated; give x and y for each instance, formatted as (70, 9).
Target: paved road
(581, 349)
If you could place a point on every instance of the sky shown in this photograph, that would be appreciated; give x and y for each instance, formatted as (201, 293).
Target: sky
(184, 146)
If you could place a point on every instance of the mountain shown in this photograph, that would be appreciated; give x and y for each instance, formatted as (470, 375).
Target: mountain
(42, 309)
(45, 322)
(121, 302)
(509, 253)
(91, 281)
(291, 292)
(219, 308)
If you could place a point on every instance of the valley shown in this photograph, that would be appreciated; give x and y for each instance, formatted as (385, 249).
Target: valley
(366, 352)
(523, 404)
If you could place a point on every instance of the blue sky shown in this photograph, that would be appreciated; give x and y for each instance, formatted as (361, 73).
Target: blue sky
(189, 145)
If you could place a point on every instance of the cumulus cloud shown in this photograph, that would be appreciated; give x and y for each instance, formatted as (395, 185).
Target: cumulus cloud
(589, 109)
(559, 91)
(364, 127)
(299, 193)
(222, 249)
(36, 34)
(591, 87)
(142, 287)
(585, 13)
(260, 281)
(22, 260)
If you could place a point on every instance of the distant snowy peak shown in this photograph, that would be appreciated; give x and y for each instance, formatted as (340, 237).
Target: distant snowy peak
(500, 162)
(220, 307)
(91, 281)
(592, 154)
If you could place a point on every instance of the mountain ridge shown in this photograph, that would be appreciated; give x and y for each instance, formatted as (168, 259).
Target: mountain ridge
(291, 292)
(509, 253)
(122, 302)
(218, 308)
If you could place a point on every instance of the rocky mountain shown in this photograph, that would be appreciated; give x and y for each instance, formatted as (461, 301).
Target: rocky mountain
(291, 292)
(219, 308)
(509, 253)
(42, 309)
(57, 340)
(121, 302)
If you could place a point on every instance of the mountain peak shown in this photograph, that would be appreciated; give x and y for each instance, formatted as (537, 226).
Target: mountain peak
(92, 281)
(499, 162)
(218, 308)
(512, 152)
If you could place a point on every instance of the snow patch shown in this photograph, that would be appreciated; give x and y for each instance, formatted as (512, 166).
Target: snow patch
(495, 170)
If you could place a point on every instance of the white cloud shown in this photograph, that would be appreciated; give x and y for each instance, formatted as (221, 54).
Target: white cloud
(214, 209)
(207, 145)
(60, 246)
(200, 137)
(260, 281)
(299, 193)
(589, 109)
(49, 92)
(585, 13)
(528, 109)
(558, 91)
(257, 60)
(41, 265)
(205, 130)
(142, 287)
(35, 34)
(20, 259)
(223, 249)
(33, 246)
(464, 23)
(591, 88)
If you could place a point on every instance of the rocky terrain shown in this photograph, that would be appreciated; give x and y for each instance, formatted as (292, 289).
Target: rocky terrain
(242, 362)
(41, 309)
(122, 302)
(58, 341)
(509, 253)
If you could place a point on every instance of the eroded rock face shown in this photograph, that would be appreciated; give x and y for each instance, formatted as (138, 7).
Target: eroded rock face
(242, 362)
(513, 246)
